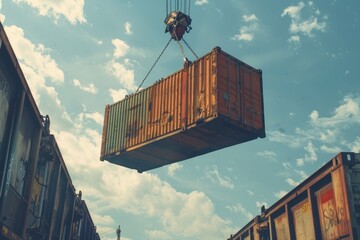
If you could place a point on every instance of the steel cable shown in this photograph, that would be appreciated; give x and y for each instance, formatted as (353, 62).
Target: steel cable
(154, 65)
(190, 48)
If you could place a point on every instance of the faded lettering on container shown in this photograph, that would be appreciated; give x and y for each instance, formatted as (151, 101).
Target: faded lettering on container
(303, 221)
(282, 227)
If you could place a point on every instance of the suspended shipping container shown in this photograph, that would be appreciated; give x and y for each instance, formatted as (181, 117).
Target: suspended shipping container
(212, 103)
(325, 206)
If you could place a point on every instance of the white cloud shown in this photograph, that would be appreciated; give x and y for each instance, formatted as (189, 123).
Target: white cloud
(173, 168)
(121, 48)
(215, 177)
(287, 165)
(302, 174)
(2, 17)
(243, 36)
(347, 113)
(277, 136)
(97, 117)
(247, 31)
(72, 10)
(280, 194)
(291, 182)
(201, 2)
(127, 27)
(306, 27)
(179, 214)
(293, 11)
(157, 234)
(117, 95)
(298, 25)
(328, 135)
(238, 208)
(323, 133)
(35, 56)
(40, 71)
(250, 18)
(103, 219)
(88, 88)
(300, 162)
(251, 193)
(356, 145)
(294, 183)
(122, 71)
(98, 42)
(123, 74)
(267, 154)
(310, 155)
(333, 150)
(294, 39)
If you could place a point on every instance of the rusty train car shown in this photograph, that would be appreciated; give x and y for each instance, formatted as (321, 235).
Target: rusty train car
(37, 197)
(325, 206)
(212, 103)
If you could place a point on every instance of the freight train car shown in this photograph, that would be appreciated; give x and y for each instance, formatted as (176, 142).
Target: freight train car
(325, 206)
(213, 103)
(37, 197)
(83, 227)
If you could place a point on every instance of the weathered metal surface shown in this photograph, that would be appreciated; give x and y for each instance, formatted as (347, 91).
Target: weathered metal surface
(324, 206)
(282, 227)
(303, 222)
(215, 102)
(37, 196)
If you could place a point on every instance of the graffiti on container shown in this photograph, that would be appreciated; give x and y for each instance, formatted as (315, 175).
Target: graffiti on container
(333, 217)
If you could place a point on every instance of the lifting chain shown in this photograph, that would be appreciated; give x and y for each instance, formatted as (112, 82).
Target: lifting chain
(190, 48)
(181, 47)
(153, 65)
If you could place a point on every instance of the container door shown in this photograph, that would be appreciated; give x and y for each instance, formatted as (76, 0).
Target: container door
(355, 200)
(7, 109)
(333, 218)
(252, 97)
(282, 227)
(303, 221)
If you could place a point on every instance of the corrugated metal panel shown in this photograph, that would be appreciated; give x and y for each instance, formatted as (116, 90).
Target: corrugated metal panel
(180, 117)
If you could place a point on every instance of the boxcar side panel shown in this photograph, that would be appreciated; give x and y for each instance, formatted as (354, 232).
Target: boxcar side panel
(282, 227)
(303, 221)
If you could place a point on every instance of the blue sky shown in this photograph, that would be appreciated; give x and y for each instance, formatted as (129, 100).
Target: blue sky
(79, 55)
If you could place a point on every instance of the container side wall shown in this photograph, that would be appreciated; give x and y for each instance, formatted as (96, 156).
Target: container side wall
(201, 90)
(282, 227)
(303, 221)
(240, 95)
(105, 133)
(342, 207)
(353, 189)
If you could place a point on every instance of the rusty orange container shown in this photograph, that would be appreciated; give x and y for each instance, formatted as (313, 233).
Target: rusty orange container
(212, 103)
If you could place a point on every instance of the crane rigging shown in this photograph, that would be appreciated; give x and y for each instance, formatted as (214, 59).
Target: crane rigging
(178, 22)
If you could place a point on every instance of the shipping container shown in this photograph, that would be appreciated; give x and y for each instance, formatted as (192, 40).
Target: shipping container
(212, 103)
(37, 197)
(325, 206)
